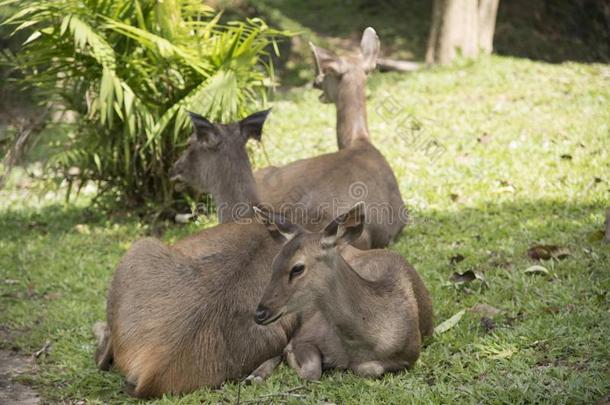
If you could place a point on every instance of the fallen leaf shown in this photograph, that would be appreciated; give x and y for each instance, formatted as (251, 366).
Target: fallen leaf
(456, 258)
(183, 218)
(454, 197)
(566, 156)
(505, 187)
(596, 236)
(551, 309)
(485, 310)
(31, 291)
(487, 324)
(536, 270)
(44, 350)
(52, 296)
(547, 252)
(449, 323)
(82, 229)
(466, 277)
(484, 139)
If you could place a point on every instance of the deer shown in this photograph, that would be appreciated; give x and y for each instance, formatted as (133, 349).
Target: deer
(321, 187)
(366, 311)
(182, 317)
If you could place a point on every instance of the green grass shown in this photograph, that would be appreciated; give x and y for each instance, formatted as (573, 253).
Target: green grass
(488, 197)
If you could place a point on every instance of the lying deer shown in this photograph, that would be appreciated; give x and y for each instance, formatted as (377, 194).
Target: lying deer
(322, 187)
(368, 313)
(182, 317)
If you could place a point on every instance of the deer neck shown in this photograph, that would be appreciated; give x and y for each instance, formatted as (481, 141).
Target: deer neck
(236, 194)
(351, 109)
(353, 305)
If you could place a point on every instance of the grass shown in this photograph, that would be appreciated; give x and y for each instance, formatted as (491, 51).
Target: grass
(525, 161)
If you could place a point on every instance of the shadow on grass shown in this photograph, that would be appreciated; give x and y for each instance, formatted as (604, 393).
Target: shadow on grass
(548, 30)
(496, 237)
(53, 221)
(554, 30)
(519, 222)
(492, 238)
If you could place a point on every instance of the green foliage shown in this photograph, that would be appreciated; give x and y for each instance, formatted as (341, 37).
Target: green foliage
(130, 70)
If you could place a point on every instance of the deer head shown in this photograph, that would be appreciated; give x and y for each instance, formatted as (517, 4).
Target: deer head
(216, 152)
(331, 69)
(304, 269)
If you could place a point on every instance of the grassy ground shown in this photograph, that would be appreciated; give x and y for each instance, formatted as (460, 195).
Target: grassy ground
(521, 157)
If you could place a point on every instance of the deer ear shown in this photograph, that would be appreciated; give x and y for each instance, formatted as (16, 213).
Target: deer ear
(204, 130)
(369, 47)
(326, 61)
(276, 224)
(346, 228)
(252, 125)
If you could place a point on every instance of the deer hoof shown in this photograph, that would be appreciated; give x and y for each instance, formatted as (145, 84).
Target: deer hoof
(253, 379)
(369, 369)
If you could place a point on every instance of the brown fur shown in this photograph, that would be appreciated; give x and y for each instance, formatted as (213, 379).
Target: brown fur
(368, 316)
(324, 186)
(182, 317)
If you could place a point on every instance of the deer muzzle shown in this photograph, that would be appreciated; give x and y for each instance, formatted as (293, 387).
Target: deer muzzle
(264, 316)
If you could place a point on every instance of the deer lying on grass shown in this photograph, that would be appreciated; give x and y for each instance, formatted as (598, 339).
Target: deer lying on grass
(322, 187)
(182, 317)
(368, 313)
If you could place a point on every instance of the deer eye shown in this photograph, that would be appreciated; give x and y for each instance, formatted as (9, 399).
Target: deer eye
(296, 270)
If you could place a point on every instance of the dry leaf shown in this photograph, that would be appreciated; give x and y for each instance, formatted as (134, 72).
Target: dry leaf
(552, 309)
(456, 259)
(44, 350)
(466, 277)
(597, 236)
(183, 218)
(484, 139)
(454, 197)
(536, 270)
(449, 323)
(566, 156)
(52, 296)
(485, 310)
(83, 229)
(504, 187)
(487, 324)
(547, 252)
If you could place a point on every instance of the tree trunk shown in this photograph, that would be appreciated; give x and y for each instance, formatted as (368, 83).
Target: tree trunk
(464, 27)
(488, 10)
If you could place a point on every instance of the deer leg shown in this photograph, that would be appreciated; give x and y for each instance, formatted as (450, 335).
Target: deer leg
(264, 370)
(372, 369)
(376, 369)
(305, 359)
(103, 354)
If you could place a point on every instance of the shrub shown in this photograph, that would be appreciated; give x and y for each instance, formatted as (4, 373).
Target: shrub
(129, 70)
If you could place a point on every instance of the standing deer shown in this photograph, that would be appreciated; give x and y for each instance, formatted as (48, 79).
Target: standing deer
(321, 187)
(182, 317)
(363, 310)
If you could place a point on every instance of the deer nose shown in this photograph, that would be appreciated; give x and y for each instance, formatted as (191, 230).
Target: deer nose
(262, 314)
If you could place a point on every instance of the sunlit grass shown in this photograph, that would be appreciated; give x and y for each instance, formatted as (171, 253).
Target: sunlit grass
(526, 161)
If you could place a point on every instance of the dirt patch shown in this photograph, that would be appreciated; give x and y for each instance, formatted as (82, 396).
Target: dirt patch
(12, 392)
